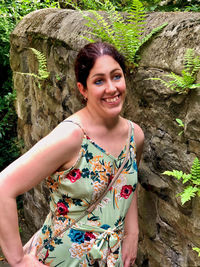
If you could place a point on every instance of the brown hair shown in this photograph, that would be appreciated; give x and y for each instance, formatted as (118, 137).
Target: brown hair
(88, 55)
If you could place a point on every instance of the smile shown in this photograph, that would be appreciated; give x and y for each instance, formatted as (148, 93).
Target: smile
(111, 100)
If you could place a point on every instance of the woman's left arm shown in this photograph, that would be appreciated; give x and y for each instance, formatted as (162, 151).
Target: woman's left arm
(130, 241)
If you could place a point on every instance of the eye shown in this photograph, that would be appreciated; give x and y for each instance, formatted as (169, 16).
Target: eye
(117, 77)
(99, 82)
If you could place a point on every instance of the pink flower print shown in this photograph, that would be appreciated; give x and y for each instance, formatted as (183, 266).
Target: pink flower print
(110, 180)
(89, 236)
(126, 191)
(74, 175)
(62, 208)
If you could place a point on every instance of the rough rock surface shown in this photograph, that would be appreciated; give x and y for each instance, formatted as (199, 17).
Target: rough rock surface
(168, 230)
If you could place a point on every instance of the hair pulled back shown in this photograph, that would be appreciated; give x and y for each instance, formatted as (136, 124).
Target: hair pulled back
(88, 55)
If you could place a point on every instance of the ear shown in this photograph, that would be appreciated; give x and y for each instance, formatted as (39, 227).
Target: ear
(82, 90)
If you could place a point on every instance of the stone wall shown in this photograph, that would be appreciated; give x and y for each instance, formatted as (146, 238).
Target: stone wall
(168, 230)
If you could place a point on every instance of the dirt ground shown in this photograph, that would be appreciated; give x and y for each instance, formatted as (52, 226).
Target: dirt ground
(25, 235)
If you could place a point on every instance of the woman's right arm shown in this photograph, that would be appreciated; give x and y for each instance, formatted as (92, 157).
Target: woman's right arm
(61, 146)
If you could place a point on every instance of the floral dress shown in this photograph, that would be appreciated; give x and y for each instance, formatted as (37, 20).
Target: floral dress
(97, 237)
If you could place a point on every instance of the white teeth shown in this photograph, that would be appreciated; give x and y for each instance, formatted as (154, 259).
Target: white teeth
(111, 100)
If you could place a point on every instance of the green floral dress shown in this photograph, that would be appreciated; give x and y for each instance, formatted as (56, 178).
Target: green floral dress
(96, 237)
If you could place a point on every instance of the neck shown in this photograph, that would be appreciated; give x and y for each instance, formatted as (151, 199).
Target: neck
(94, 119)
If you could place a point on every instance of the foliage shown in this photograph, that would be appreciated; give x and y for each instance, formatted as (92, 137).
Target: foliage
(197, 250)
(82, 4)
(43, 73)
(171, 5)
(180, 124)
(9, 146)
(125, 33)
(192, 179)
(120, 5)
(185, 82)
(42, 68)
(123, 5)
(11, 12)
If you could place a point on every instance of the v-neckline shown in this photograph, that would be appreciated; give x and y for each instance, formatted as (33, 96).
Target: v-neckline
(104, 150)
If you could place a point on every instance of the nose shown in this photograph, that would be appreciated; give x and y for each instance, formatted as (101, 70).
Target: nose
(110, 87)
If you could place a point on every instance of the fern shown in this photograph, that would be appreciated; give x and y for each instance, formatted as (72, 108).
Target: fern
(43, 73)
(192, 179)
(197, 250)
(124, 33)
(188, 193)
(176, 174)
(180, 124)
(42, 69)
(195, 171)
(186, 81)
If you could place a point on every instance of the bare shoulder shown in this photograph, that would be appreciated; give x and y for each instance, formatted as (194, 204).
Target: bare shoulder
(138, 134)
(139, 141)
(67, 131)
(59, 147)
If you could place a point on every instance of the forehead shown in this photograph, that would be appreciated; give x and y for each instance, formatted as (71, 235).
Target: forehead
(104, 64)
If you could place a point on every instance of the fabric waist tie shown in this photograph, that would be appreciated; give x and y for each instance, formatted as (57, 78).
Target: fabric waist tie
(108, 239)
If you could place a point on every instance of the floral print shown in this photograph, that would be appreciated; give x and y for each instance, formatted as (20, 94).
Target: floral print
(126, 191)
(74, 175)
(62, 208)
(77, 236)
(97, 237)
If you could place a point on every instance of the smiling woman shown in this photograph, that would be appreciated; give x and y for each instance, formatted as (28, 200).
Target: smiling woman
(81, 157)
(105, 88)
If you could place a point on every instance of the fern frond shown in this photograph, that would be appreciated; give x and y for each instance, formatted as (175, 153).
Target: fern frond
(188, 193)
(196, 66)
(188, 60)
(150, 35)
(42, 68)
(180, 122)
(186, 177)
(195, 171)
(161, 80)
(176, 174)
(101, 27)
(136, 16)
(194, 86)
(197, 250)
(182, 83)
(188, 78)
(124, 33)
(27, 74)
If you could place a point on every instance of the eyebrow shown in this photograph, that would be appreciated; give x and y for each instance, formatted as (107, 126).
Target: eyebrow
(102, 74)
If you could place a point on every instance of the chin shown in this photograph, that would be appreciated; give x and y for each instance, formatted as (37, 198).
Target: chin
(114, 112)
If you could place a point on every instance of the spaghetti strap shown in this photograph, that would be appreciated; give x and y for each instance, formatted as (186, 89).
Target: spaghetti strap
(132, 127)
(71, 192)
(77, 123)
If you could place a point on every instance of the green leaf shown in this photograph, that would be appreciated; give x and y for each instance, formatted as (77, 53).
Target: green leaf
(186, 177)
(180, 122)
(186, 81)
(195, 170)
(188, 193)
(197, 250)
(176, 174)
(122, 32)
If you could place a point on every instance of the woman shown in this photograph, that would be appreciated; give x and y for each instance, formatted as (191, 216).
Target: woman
(80, 157)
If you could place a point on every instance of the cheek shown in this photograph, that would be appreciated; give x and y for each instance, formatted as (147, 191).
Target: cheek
(123, 87)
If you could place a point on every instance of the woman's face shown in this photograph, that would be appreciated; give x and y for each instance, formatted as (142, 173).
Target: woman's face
(106, 87)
